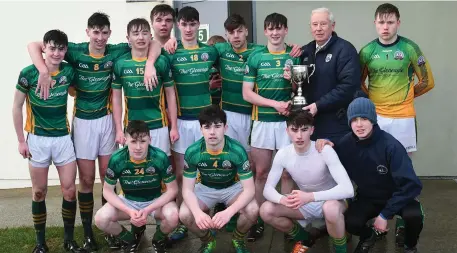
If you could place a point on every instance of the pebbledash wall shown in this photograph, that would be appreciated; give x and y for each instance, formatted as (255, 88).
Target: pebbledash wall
(431, 26)
(26, 21)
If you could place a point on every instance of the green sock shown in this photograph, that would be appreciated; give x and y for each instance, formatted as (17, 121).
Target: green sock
(298, 233)
(68, 216)
(207, 237)
(39, 220)
(86, 209)
(238, 235)
(260, 221)
(159, 235)
(400, 223)
(340, 244)
(126, 235)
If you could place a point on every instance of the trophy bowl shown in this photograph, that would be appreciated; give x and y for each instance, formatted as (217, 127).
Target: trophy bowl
(299, 75)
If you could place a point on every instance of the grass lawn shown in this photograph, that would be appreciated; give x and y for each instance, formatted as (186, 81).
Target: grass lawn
(13, 240)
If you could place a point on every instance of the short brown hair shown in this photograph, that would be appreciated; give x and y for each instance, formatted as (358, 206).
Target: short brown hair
(215, 39)
(386, 10)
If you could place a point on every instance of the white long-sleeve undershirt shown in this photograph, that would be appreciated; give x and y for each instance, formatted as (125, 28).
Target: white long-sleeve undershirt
(319, 173)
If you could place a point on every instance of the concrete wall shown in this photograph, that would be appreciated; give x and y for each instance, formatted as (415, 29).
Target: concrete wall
(23, 22)
(429, 24)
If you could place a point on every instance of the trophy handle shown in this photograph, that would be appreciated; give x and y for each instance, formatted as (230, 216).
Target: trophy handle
(314, 68)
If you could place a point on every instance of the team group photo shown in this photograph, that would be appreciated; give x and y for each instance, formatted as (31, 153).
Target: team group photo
(221, 139)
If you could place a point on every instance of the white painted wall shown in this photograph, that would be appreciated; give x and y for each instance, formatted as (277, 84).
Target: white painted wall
(26, 21)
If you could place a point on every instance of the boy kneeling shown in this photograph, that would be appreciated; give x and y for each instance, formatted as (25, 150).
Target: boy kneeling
(140, 169)
(323, 183)
(221, 161)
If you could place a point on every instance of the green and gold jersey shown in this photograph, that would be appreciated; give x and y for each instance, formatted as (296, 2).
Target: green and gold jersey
(217, 170)
(93, 78)
(140, 180)
(140, 104)
(191, 68)
(266, 70)
(47, 117)
(391, 71)
(231, 65)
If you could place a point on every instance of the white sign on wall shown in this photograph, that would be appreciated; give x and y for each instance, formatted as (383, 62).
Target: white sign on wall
(203, 33)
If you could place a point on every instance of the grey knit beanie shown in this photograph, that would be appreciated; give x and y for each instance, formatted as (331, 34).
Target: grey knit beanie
(362, 107)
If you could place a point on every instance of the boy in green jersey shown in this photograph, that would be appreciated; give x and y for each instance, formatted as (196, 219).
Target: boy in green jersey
(266, 89)
(48, 140)
(93, 128)
(148, 106)
(140, 168)
(225, 177)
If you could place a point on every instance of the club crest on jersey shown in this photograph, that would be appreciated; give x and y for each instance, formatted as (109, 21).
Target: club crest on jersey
(205, 56)
(399, 55)
(288, 63)
(108, 64)
(110, 172)
(170, 169)
(23, 82)
(421, 60)
(382, 170)
(226, 164)
(328, 57)
(151, 170)
(62, 80)
(246, 166)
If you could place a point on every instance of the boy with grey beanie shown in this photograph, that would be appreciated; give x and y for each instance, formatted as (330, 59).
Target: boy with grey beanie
(383, 172)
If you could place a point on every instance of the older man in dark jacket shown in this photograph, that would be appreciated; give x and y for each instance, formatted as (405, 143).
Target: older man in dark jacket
(336, 78)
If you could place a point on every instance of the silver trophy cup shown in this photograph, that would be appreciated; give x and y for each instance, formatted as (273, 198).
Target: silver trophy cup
(300, 74)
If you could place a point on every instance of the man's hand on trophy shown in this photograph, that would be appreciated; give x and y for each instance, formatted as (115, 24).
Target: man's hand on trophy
(282, 107)
(286, 73)
(312, 108)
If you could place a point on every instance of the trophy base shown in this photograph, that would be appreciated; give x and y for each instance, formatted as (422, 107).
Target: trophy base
(296, 107)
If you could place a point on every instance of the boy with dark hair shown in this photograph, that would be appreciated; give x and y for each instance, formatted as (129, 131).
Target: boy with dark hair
(140, 169)
(386, 182)
(266, 89)
(321, 193)
(162, 19)
(94, 133)
(225, 177)
(48, 140)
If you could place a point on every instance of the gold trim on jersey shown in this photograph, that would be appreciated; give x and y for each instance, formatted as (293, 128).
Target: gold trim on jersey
(240, 62)
(95, 56)
(48, 106)
(255, 108)
(190, 63)
(284, 88)
(196, 107)
(55, 73)
(148, 96)
(277, 52)
(139, 59)
(30, 120)
(138, 162)
(192, 83)
(235, 81)
(191, 48)
(91, 72)
(217, 152)
(242, 50)
(89, 91)
(162, 108)
(126, 112)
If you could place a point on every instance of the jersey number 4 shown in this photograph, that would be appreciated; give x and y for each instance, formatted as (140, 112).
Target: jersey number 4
(139, 171)
(215, 164)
